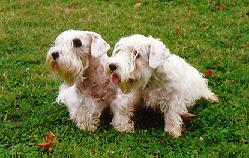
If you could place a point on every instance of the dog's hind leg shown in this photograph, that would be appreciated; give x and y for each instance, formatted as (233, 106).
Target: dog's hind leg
(173, 122)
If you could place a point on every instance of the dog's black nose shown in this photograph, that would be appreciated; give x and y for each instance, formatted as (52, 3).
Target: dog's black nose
(112, 67)
(55, 55)
(77, 42)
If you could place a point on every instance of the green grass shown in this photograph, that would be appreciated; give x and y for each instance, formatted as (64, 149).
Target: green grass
(209, 37)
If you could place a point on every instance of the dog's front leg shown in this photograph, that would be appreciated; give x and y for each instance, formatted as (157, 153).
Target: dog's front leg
(69, 96)
(122, 120)
(88, 114)
(123, 110)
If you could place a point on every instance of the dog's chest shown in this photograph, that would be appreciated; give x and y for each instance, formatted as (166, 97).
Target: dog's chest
(96, 84)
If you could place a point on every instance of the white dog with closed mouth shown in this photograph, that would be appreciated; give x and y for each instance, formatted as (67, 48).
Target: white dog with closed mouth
(144, 67)
(77, 57)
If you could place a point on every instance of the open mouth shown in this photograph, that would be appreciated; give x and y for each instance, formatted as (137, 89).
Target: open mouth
(125, 86)
(54, 65)
(115, 78)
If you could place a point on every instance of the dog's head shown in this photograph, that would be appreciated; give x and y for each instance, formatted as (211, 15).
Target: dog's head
(70, 54)
(133, 60)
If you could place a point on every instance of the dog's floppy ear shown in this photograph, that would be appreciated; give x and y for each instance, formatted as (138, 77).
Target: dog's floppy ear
(158, 53)
(99, 45)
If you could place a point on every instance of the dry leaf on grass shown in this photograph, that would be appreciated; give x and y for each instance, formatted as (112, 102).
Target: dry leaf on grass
(92, 151)
(137, 5)
(177, 30)
(208, 73)
(222, 7)
(43, 145)
(49, 141)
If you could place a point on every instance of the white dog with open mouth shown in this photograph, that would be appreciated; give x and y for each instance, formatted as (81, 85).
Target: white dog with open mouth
(77, 57)
(144, 68)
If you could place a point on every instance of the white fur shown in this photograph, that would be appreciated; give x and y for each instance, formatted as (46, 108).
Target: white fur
(162, 80)
(86, 92)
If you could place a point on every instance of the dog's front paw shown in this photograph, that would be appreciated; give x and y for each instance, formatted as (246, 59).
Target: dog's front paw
(174, 130)
(85, 127)
(87, 121)
(82, 125)
(89, 126)
(123, 124)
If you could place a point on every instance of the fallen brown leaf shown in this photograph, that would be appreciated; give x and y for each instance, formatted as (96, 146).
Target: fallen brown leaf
(49, 141)
(43, 145)
(222, 7)
(137, 5)
(177, 30)
(18, 126)
(92, 151)
(208, 73)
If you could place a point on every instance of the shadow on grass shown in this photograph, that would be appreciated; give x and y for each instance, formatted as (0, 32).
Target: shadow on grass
(147, 118)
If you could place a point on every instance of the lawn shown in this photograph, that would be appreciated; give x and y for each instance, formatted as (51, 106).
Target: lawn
(208, 34)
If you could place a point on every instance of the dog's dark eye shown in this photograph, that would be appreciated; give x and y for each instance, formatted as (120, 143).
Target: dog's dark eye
(136, 54)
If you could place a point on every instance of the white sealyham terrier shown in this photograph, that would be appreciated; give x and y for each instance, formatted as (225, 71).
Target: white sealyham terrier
(144, 68)
(77, 57)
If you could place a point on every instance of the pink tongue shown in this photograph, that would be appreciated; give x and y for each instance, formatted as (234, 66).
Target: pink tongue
(115, 78)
